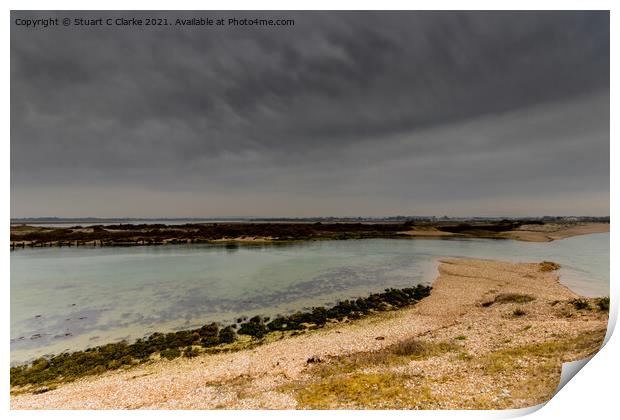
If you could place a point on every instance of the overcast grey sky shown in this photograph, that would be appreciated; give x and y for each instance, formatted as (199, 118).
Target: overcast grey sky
(344, 113)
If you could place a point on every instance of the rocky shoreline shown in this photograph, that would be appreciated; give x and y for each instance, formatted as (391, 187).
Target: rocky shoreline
(46, 372)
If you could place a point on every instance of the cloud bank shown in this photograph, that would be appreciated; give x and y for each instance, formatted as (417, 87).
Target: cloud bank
(344, 113)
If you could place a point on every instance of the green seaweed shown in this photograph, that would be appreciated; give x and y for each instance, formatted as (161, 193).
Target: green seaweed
(96, 360)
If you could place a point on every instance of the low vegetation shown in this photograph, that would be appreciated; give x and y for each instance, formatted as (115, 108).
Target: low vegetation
(352, 379)
(603, 303)
(548, 266)
(509, 298)
(417, 349)
(368, 390)
(210, 337)
(156, 234)
(170, 354)
(501, 226)
(190, 352)
(580, 304)
(386, 379)
(398, 353)
(584, 345)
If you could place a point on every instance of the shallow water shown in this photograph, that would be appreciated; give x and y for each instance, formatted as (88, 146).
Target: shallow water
(72, 298)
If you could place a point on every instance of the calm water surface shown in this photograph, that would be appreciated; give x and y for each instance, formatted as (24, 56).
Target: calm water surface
(73, 298)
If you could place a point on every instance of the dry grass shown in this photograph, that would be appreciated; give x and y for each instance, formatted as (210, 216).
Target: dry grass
(396, 354)
(539, 365)
(418, 349)
(513, 298)
(583, 345)
(366, 390)
(504, 298)
(354, 379)
(366, 379)
(384, 379)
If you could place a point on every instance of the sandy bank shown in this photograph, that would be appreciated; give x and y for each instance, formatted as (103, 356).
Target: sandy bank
(529, 233)
(480, 352)
(551, 232)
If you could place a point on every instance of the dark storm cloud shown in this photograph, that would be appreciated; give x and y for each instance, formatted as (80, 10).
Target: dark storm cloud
(319, 106)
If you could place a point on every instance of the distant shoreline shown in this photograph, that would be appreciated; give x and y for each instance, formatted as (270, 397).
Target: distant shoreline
(547, 232)
(23, 236)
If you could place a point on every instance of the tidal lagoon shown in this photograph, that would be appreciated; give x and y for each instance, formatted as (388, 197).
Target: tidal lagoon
(65, 299)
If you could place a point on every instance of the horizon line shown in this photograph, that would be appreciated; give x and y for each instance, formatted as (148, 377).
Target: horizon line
(397, 216)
